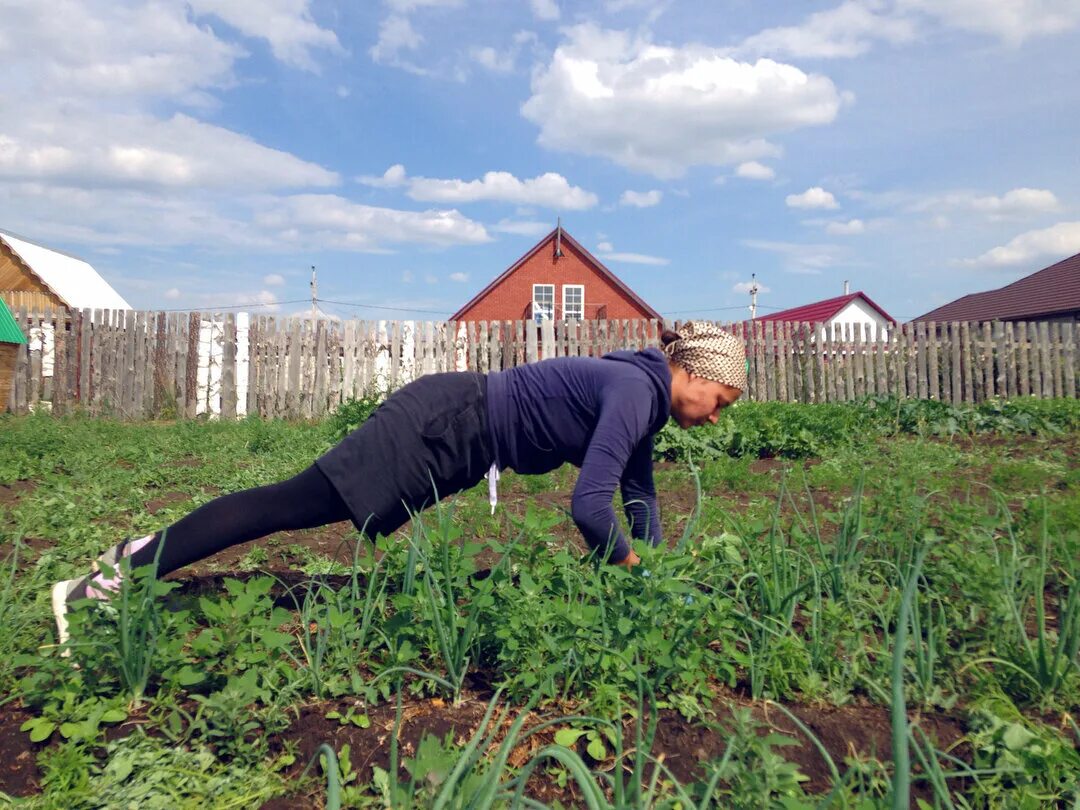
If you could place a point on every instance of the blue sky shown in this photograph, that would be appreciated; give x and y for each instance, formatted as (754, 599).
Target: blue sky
(207, 153)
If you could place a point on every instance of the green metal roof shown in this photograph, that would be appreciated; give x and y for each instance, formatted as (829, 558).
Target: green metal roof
(9, 330)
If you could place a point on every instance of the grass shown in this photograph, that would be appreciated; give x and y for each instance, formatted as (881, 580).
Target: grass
(798, 582)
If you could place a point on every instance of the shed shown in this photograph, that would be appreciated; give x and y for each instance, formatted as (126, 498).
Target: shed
(11, 342)
(557, 279)
(36, 276)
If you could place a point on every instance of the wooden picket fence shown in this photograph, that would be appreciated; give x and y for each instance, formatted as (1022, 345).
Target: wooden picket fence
(141, 365)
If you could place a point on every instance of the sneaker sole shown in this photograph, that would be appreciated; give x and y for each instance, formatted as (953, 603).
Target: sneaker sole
(60, 609)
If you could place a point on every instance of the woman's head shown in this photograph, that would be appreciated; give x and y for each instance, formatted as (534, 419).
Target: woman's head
(708, 372)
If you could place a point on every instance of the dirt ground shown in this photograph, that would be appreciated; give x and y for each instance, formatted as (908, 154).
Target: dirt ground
(849, 731)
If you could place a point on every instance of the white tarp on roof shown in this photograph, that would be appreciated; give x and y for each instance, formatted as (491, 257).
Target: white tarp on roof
(75, 281)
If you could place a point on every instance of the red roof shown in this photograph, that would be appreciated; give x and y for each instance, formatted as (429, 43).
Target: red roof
(822, 311)
(600, 268)
(1054, 290)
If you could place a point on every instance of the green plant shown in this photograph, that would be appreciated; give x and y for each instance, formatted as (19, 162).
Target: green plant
(127, 640)
(352, 413)
(1050, 660)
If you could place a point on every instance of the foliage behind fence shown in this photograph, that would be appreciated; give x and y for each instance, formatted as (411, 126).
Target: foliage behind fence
(165, 364)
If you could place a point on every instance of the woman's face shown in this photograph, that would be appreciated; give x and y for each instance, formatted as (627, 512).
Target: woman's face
(696, 400)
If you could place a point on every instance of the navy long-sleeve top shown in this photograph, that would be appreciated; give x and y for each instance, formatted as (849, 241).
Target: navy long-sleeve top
(599, 414)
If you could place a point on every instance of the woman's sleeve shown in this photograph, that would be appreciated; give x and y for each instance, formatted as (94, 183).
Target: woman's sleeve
(622, 424)
(639, 494)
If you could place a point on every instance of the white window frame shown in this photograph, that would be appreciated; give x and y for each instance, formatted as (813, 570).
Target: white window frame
(566, 310)
(539, 313)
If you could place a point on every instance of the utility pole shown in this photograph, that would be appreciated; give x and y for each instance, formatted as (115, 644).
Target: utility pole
(753, 296)
(314, 294)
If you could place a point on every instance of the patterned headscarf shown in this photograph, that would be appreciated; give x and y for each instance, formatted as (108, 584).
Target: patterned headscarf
(710, 352)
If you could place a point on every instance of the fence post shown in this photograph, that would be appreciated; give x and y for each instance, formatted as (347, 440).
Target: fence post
(1044, 360)
(1055, 355)
(547, 339)
(1069, 350)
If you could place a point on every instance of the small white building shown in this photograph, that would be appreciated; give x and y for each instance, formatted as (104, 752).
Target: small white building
(841, 316)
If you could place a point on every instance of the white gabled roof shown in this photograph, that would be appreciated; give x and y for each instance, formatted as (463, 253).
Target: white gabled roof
(76, 283)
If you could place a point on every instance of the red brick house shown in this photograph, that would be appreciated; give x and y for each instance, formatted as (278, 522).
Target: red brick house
(557, 279)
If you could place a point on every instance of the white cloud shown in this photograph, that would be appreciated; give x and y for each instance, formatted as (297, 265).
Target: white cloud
(549, 190)
(752, 170)
(545, 9)
(408, 6)
(460, 278)
(263, 300)
(82, 52)
(274, 280)
(1018, 201)
(847, 30)
(488, 57)
(80, 115)
(431, 278)
(502, 61)
(815, 197)
(396, 34)
(1011, 21)
(661, 109)
(285, 24)
(806, 259)
(332, 221)
(173, 293)
(1055, 242)
(607, 252)
(139, 150)
(407, 277)
(849, 228)
(521, 227)
(641, 199)
(746, 286)
(635, 258)
(394, 177)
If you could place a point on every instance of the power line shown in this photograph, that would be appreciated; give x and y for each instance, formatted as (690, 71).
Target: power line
(712, 309)
(235, 306)
(379, 306)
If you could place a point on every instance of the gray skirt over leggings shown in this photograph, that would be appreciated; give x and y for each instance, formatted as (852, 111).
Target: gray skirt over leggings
(428, 440)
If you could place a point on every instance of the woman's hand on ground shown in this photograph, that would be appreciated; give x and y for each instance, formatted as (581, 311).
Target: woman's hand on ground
(630, 560)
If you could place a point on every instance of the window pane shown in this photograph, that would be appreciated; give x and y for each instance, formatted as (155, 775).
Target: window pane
(574, 301)
(543, 302)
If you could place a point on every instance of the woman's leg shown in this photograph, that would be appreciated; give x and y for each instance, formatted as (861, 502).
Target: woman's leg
(301, 502)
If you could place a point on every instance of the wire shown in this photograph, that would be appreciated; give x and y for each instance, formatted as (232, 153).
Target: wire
(379, 306)
(712, 309)
(237, 306)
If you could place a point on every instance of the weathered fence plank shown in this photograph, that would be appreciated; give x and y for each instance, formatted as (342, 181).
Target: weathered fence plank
(138, 364)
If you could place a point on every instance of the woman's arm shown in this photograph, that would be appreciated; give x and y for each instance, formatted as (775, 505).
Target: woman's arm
(622, 424)
(639, 494)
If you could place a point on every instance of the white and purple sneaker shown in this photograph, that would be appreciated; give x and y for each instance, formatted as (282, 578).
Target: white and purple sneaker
(95, 585)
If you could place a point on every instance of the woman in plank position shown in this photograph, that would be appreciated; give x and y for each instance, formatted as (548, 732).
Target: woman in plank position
(443, 432)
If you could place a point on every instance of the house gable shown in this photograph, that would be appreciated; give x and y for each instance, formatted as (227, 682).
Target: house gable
(70, 280)
(832, 308)
(510, 295)
(17, 277)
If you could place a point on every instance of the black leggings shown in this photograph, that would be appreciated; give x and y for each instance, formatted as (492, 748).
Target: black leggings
(301, 502)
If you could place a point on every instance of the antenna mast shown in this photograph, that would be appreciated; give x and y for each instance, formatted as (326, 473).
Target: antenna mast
(314, 294)
(753, 296)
